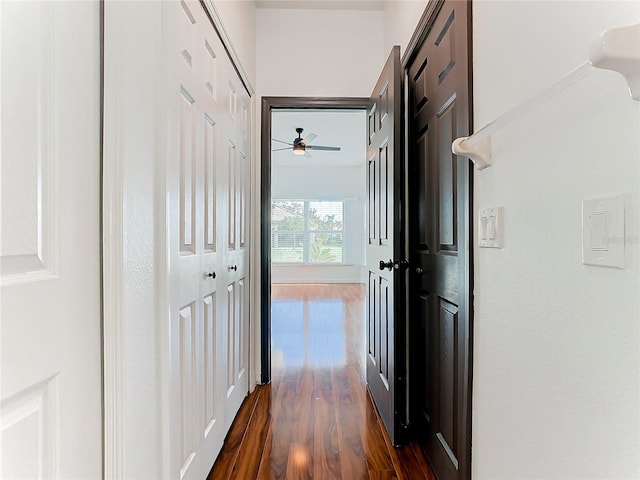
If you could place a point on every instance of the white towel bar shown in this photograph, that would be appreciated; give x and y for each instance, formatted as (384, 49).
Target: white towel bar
(617, 49)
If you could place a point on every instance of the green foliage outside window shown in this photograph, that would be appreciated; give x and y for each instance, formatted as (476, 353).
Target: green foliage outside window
(306, 231)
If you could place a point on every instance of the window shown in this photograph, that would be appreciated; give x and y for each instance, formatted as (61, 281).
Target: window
(307, 231)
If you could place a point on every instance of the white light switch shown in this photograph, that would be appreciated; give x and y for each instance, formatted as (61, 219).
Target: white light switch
(599, 240)
(603, 232)
(490, 229)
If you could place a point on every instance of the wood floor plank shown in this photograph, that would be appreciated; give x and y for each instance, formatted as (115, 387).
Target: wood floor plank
(227, 458)
(404, 459)
(302, 408)
(264, 470)
(270, 470)
(422, 461)
(375, 449)
(349, 415)
(326, 452)
(412, 465)
(316, 420)
(250, 453)
(383, 475)
(299, 466)
(282, 435)
(376, 452)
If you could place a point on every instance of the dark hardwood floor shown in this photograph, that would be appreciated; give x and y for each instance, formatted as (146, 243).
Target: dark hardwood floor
(316, 419)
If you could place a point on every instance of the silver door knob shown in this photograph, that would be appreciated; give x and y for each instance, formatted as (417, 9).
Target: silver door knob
(419, 271)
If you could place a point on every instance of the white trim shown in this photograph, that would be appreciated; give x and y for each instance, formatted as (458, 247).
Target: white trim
(112, 292)
(228, 44)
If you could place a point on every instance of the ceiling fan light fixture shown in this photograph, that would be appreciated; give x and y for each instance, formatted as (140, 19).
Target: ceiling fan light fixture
(298, 149)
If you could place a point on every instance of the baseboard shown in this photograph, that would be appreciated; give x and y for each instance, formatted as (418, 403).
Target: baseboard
(316, 274)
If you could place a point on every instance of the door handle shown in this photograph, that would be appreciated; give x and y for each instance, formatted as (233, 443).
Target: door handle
(394, 264)
(211, 274)
(419, 271)
(384, 264)
(233, 267)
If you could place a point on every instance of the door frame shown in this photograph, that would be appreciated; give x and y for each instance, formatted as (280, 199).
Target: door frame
(413, 46)
(268, 105)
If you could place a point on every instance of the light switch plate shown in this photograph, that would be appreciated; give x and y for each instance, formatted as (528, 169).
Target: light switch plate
(603, 232)
(490, 228)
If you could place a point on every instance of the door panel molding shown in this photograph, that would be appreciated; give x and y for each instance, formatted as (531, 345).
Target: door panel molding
(113, 282)
(30, 250)
(218, 25)
(386, 199)
(438, 64)
(424, 27)
(50, 272)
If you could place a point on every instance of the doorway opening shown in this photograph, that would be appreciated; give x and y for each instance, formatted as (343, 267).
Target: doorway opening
(312, 218)
(318, 194)
(314, 334)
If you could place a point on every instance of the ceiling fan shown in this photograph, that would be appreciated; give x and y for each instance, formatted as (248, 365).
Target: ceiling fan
(300, 146)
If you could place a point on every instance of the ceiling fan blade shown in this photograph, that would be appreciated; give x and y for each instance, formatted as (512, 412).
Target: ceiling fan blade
(276, 140)
(310, 138)
(320, 147)
(281, 149)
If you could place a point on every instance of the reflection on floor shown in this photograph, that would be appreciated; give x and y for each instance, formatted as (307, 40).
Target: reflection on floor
(315, 420)
(309, 327)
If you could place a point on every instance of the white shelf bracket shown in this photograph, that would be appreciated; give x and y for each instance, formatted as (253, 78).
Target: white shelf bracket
(618, 49)
(479, 152)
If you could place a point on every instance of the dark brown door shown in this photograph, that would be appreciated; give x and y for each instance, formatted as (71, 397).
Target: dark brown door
(440, 242)
(385, 244)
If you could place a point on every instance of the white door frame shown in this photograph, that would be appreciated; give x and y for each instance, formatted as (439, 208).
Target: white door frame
(126, 272)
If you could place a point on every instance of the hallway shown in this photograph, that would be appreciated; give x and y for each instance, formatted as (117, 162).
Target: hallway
(315, 420)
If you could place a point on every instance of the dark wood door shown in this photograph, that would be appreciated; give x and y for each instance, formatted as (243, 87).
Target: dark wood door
(385, 243)
(440, 242)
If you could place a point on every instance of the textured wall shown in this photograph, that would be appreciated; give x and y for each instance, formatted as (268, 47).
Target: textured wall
(318, 52)
(401, 18)
(556, 354)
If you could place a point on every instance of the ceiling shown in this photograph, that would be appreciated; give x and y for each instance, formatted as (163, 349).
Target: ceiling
(321, 4)
(335, 128)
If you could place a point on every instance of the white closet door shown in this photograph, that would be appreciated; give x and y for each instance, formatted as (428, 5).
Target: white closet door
(51, 379)
(207, 173)
(236, 252)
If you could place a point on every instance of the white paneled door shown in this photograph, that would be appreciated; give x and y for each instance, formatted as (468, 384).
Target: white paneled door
(50, 410)
(207, 133)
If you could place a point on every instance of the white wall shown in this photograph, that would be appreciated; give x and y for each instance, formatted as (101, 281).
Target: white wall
(239, 20)
(401, 18)
(318, 52)
(325, 183)
(556, 348)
